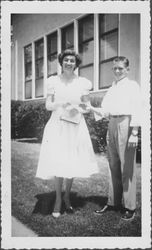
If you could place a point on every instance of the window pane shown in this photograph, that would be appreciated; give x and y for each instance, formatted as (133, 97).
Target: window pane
(68, 37)
(106, 74)
(87, 72)
(52, 64)
(86, 28)
(52, 43)
(28, 89)
(86, 52)
(108, 22)
(39, 68)
(28, 53)
(28, 71)
(109, 46)
(39, 88)
(39, 49)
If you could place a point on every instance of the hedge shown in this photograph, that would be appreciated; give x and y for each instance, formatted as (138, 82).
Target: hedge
(28, 120)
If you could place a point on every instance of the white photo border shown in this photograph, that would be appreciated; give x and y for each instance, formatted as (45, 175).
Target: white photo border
(10, 7)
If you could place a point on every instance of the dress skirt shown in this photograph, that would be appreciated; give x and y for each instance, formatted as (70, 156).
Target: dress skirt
(66, 150)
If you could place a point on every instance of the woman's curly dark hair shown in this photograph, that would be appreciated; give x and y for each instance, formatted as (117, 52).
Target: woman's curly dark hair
(70, 52)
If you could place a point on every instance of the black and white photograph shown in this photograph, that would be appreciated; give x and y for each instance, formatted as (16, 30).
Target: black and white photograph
(75, 124)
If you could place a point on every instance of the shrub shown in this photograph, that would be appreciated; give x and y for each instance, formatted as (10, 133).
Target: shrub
(98, 131)
(29, 118)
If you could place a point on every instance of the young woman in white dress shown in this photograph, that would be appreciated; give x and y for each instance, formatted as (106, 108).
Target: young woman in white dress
(66, 150)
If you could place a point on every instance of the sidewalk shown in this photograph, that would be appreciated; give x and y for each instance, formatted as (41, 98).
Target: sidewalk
(20, 230)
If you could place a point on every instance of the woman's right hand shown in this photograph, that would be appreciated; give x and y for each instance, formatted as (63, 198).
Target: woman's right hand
(51, 104)
(65, 105)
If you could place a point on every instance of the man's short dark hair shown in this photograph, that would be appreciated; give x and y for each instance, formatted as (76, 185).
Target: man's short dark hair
(70, 52)
(122, 59)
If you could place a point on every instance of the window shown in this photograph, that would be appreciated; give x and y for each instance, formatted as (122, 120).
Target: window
(28, 71)
(68, 37)
(86, 46)
(39, 61)
(52, 54)
(87, 36)
(108, 33)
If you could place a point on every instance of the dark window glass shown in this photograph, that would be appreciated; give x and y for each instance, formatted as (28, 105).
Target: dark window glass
(39, 49)
(87, 72)
(68, 37)
(106, 74)
(108, 42)
(39, 70)
(86, 52)
(28, 71)
(86, 46)
(109, 46)
(39, 87)
(52, 54)
(86, 28)
(28, 90)
(108, 22)
(28, 53)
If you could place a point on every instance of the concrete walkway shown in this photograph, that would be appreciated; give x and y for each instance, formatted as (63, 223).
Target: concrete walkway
(20, 230)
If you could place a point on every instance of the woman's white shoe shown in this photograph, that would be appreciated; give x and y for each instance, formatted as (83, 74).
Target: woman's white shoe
(56, 214)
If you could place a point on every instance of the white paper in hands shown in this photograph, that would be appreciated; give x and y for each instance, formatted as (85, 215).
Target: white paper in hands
(71, 114)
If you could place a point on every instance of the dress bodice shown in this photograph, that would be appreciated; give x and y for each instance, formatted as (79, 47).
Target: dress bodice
(70, 92)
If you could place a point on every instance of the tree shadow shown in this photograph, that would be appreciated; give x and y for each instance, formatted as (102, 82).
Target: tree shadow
(45, 202)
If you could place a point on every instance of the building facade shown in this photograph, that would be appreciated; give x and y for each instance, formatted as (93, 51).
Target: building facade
(37, 39)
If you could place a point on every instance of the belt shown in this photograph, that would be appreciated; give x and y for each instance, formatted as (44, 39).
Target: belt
(117, 116)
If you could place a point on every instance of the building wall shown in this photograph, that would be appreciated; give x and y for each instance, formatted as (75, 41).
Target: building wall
(28, 28)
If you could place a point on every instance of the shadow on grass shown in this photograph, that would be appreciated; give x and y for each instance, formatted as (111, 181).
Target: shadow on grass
(29, 140)
(45, 202)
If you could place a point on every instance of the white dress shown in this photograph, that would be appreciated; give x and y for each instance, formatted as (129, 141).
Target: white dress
(66, 149)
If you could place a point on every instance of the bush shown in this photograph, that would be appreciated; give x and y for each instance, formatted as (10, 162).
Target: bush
(28, 120)
(98, 132)
(138, 151)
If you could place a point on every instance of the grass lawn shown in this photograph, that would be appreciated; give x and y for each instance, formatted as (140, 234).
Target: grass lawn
(33, 199)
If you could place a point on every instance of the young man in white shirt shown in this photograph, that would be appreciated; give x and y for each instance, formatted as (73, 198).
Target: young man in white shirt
(122, 104)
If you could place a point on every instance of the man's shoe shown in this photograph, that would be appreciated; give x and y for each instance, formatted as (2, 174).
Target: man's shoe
(69, 210)
(104, 209)
(128, 215)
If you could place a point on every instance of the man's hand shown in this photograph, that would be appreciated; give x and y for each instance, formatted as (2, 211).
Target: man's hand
(133, 141)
